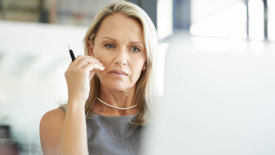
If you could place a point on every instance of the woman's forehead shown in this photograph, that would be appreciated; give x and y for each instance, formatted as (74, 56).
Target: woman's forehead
(121, 27)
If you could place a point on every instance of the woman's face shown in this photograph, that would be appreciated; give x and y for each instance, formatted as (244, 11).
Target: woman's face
(119, 46)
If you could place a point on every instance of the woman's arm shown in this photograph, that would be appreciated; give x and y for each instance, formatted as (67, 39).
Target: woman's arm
(62, 133)
(66, 134)
(74, 136)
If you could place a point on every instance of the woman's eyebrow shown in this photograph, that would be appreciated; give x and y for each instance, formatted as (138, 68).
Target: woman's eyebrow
(131, 42)
(108, 38)
(135, 42)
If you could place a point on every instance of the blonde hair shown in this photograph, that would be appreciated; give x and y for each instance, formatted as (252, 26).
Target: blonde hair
(145, 92)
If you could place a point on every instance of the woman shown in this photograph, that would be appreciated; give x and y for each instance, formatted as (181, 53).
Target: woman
(110, 89)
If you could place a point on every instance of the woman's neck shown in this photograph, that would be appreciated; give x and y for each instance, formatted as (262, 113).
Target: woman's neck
(115, 98)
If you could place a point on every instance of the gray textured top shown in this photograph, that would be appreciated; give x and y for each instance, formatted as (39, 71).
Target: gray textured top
(111, 135)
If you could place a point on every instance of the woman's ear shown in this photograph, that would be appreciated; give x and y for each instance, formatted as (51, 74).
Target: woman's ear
(90, 48)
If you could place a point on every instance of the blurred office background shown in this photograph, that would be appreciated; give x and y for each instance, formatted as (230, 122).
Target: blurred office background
(35, 35)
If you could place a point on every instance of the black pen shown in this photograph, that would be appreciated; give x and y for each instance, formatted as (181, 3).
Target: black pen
(72, 54)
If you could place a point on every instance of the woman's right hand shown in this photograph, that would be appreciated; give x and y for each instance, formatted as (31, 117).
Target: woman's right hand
(78, 77)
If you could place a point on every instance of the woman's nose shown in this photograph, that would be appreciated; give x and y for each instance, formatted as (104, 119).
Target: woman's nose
(121, 57)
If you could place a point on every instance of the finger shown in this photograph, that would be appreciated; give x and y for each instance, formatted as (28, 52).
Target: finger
(76, 60)
(87, 60)
(93, 59)
(92, 67)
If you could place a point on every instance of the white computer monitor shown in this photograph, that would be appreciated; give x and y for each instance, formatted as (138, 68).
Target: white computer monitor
(219, 99)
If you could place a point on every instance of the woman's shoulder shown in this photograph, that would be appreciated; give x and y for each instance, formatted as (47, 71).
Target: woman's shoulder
(55, 113)
(53, 116)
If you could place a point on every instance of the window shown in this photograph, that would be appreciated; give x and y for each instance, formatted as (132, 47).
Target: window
(256, 19)
(271, 19)
(164, 18)
(243, 19)
(226, 18)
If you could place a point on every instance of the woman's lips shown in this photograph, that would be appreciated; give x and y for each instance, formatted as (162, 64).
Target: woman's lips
(118, 72)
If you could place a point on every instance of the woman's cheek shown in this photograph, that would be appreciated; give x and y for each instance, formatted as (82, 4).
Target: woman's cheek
(102, 60)
(105, 58)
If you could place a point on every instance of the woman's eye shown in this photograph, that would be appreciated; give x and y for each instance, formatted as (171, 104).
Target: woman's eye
(135, 49)
(109, 46)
